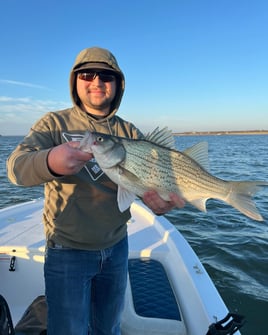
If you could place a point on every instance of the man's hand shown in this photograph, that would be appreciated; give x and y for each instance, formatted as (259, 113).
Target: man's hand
(160, 206)
(67, 159)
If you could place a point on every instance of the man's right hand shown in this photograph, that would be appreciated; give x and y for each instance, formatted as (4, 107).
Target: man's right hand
(67, 159)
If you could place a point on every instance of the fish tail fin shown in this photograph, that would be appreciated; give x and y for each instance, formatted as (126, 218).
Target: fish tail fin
(240, 197)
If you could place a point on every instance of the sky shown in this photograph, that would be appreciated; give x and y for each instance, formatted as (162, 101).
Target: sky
(190, 65)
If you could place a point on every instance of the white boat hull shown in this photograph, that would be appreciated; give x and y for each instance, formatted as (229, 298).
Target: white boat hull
(152, 240)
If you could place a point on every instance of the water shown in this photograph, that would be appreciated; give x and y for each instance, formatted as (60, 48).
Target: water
(11, 194)
(233, 248)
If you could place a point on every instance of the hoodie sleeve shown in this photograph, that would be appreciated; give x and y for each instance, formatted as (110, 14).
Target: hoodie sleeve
(27, 164)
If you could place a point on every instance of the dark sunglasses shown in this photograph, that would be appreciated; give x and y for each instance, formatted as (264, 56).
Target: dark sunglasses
(90, 76)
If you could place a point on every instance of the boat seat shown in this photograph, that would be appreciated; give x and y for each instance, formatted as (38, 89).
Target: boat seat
(150, 304)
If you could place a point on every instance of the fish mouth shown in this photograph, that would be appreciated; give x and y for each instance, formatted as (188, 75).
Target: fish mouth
(87, 142)
(91, 139)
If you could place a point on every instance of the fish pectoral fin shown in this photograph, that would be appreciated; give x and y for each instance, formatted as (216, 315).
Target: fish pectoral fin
(199, 204)
(124, 198)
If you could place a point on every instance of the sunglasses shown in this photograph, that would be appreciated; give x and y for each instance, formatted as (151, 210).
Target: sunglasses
(90, 76)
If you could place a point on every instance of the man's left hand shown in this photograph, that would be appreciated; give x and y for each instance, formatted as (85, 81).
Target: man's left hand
(160, 206)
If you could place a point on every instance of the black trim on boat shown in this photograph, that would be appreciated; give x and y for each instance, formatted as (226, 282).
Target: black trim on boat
(235, 323)
(12, 267)
(6, 323)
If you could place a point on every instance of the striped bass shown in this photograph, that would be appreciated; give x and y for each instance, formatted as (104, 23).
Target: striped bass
(153, 163)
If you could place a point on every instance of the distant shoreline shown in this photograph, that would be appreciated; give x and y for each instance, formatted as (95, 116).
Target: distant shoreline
(206, 133)
(216, 133)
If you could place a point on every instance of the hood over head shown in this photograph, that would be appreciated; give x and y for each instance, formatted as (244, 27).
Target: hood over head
(97, 58)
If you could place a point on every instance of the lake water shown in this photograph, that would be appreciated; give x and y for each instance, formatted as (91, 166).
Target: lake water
(232, 247)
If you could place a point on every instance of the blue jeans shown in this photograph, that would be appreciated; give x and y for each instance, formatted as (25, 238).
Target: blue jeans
(85, 290)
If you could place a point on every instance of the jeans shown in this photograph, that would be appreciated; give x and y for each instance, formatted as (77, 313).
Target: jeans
(85, 290)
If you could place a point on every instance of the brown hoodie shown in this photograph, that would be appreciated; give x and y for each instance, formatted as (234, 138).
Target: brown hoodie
(81, 210)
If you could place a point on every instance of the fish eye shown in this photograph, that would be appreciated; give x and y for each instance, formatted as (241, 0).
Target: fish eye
(100, 139)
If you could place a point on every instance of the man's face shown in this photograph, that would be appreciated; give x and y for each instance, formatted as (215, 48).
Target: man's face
(96, 90)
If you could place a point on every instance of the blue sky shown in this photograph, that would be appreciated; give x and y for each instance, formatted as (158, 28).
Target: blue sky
(191, 65)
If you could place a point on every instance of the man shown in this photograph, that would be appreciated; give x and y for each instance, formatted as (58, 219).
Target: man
(87, 249)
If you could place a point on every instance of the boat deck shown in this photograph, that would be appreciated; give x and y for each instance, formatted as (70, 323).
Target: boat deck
(169, 291)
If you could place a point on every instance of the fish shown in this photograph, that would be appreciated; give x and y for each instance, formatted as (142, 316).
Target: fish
(154, 163)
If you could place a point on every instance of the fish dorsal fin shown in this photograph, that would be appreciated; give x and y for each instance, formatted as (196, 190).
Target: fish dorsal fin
(162, 137)
(199, 152)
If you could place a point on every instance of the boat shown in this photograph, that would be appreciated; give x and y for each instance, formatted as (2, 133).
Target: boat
(169, 291)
